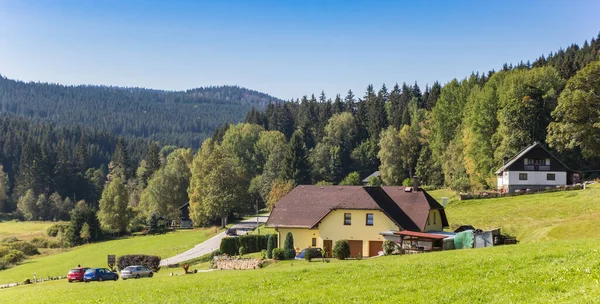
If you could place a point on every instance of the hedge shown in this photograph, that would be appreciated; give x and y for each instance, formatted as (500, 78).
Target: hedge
(150, 261)
(252, 243)
(229, 245)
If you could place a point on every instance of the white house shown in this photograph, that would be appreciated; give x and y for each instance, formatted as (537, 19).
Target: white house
(534, 168)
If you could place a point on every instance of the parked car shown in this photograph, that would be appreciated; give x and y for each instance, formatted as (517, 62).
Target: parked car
(99, 274)
(76, 274)
(315, 253)
(136, 272)
(231, 232)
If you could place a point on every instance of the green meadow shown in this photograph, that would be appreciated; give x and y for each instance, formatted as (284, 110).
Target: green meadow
(556, 261)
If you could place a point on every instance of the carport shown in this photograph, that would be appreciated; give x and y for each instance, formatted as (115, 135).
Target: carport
(415, 242)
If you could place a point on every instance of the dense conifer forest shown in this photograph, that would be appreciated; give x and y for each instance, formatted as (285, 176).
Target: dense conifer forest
(183, 118)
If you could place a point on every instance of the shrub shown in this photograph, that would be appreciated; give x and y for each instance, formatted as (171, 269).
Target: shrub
(3, 265)
(388, 247)
(40, 242)
(242, 250)
(263, 254)
(26, 248)
(252, 243)
(14, 257)
(229, 245)
(407, 182)
(53, 230)
(271, 244)
(288, 246)
(53, 244)
(341, 250)
(278, 254)
(4, 250)
(308, 254)
(150, 261)
(9, 240)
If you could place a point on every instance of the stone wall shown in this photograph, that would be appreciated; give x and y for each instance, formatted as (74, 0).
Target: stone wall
(225, 263)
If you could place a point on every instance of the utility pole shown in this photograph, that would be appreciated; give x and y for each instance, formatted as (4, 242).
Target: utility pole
(257, 228)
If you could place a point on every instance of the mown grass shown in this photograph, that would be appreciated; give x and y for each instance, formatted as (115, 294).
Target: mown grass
(95, 255)
(544, 272)
(534, 217)
(24, 230)
(439, 193)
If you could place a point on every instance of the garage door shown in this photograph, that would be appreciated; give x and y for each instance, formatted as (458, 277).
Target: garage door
(375, 247)
(355, 248)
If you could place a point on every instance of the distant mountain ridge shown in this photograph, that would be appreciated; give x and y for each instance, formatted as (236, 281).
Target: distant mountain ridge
(183, 118)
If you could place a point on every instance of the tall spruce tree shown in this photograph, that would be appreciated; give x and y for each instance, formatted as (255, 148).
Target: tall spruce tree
(295, 163)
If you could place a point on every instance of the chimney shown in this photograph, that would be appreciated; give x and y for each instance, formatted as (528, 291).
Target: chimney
(415, 183)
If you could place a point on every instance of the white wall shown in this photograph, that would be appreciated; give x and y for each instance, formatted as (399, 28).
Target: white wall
(536, 178)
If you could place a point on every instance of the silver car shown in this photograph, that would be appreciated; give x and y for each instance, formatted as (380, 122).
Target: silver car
(135, 272)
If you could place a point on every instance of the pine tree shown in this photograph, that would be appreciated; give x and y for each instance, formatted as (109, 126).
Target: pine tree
(338, 105)
(395, 110)
(120, 162)
(350, 102)
(295, 163)
(4, 191)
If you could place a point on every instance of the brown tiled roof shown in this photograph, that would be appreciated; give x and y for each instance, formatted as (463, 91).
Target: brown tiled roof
(416, 205)
(306, 206)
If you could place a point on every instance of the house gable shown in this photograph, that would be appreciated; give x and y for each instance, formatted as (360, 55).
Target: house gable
(537, 156)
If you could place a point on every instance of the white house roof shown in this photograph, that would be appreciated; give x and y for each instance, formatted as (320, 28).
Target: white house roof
(522, 153)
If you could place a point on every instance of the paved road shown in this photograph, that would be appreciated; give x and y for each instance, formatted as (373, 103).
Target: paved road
(213, 243)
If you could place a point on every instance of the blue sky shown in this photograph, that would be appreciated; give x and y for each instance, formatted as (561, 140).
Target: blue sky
(284, 48)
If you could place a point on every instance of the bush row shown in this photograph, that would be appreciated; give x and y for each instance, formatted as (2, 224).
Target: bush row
(150, 261)
(53, 230)
(251, 243)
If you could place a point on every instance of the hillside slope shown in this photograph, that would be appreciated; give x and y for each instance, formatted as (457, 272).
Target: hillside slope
(172, 117)
(536, 217)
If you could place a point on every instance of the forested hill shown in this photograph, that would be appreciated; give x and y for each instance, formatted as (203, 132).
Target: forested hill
(183, 118)
(454, 135)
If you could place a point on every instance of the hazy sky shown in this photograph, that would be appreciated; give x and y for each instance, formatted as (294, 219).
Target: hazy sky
(284, 48)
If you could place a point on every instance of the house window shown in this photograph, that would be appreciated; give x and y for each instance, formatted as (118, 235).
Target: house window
(369, 219)
(347, 219)
(522, 176)
(550, 176)
(314, 242)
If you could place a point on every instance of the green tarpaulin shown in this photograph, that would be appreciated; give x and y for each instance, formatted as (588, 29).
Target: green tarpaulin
(463, 239)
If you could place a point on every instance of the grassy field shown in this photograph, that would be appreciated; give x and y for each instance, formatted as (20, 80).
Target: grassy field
(555, 272)
(534, 217)
(95, 255)
(23, 230)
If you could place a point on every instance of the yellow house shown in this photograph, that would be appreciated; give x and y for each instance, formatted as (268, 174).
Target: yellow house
(318, 216)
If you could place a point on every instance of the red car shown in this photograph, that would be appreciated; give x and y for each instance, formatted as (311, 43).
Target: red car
(76, 274)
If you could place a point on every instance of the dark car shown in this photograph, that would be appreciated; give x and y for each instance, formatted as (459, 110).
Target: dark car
(315, 253)
(76, 274)
(99, 274)
(231, 232)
